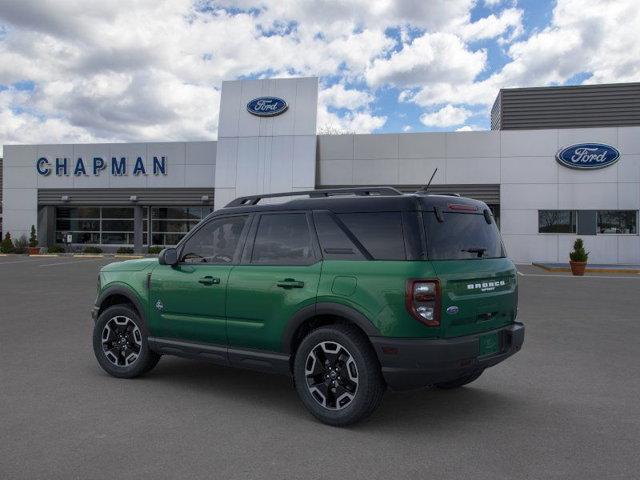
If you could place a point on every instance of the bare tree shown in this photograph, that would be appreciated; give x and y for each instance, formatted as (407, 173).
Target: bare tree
(332, 129)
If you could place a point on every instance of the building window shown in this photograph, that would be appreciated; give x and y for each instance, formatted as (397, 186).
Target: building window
(95, 225)
(170, 224)
(618, 221)
(556, 221)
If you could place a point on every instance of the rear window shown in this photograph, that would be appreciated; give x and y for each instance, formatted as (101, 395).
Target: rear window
(461, 236)
(380, 233)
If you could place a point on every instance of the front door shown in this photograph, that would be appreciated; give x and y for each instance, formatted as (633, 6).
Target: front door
(188, 300)
(278, 276)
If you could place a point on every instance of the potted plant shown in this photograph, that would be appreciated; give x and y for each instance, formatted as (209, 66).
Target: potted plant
(21, 245)
(33, 242)
(7, 244)
(578, 258)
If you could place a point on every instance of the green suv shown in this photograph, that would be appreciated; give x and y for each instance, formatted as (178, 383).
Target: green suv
(347, 290)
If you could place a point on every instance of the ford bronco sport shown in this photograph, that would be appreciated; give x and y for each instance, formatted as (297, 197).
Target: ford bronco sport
(347, 290)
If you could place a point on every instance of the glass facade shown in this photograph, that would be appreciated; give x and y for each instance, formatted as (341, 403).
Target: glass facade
(95, 225)
(556, 221)
(170, 224)
(588, 222)
(115, 225)
(618, 221)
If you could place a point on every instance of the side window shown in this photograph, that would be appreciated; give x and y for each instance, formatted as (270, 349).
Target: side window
(216, 242)
(283, 239)
(335, 244)
(380, 233)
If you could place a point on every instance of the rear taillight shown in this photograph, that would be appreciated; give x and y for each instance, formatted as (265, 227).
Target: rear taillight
(423, 301)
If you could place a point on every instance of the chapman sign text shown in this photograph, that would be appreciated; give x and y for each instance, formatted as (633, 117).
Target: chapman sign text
(117, 166)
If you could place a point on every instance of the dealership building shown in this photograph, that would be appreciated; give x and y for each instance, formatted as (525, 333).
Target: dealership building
(559, 162)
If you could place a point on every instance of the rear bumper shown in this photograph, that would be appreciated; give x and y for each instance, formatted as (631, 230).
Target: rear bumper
(413, 363)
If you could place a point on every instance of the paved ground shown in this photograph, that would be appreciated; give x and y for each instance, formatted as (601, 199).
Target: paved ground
(567, 406)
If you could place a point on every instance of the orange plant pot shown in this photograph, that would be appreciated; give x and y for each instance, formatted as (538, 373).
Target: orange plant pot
(578, 268)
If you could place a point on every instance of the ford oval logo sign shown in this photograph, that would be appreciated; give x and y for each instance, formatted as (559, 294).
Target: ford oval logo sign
(267, 106)
(588, 156)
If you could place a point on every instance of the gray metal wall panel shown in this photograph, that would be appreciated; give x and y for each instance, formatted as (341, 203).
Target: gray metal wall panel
(587, 222)
(121, 196)
(567, 107)
(489, 193)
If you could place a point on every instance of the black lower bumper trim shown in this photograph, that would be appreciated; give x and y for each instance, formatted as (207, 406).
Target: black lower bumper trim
(414, 363)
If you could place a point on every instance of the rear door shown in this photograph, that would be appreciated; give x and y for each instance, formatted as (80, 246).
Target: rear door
(188, 300)
(478, 282)
(279, 275)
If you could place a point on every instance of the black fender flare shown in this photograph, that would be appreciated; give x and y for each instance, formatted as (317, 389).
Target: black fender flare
(125, 292)
(325, 308)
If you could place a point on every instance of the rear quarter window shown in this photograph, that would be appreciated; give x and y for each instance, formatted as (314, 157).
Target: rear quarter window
(379, 232)
(461, 236)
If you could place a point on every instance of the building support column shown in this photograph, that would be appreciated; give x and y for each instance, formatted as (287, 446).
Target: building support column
(46, 228)
(138, 225)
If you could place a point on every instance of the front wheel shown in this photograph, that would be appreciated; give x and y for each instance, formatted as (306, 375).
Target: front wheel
(120, 343)
(337, 375)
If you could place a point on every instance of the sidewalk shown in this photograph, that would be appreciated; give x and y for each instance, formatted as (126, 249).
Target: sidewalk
(591, 268)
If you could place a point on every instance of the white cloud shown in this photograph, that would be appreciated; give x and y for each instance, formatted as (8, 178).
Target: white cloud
(338, 96)
(509, 20)
(432, 57)
(583, 37)
(407, 128)
(469, 128)
(447, 116)
(152, 70)
(492, 3)
(351, 122)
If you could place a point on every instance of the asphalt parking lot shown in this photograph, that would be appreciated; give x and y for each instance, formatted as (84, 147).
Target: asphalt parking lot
(567, 406)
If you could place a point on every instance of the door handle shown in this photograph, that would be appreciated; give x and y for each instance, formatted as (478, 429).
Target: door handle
(209, 280)
(290, 283)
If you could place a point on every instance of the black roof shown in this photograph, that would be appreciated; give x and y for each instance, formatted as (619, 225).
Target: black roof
(351, 200)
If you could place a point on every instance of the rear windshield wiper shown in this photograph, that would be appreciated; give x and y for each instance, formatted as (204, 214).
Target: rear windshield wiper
(479, 251)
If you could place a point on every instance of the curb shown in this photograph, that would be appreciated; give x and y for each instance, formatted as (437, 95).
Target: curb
(588, 269)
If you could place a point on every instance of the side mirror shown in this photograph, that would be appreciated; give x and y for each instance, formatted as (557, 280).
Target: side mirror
(168, 256)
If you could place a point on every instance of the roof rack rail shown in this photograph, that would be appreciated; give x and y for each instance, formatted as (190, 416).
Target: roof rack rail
(358, 191)
(445, 194)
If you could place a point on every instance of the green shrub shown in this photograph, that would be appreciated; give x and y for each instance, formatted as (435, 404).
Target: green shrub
(155, 250)
(7, 244)
(91, 249)
(125, 250)
(579, 254)
(21, 244)
(56, 249)
(33, 238)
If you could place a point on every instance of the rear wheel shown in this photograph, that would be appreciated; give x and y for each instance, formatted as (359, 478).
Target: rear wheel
(120, 343)
(459, 382)
(337, 375)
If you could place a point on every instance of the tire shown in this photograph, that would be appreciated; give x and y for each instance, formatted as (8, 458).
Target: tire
(337, 375)
(122, 329)
(459, 382)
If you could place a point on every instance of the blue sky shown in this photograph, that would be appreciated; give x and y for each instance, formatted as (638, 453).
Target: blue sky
(77, 71)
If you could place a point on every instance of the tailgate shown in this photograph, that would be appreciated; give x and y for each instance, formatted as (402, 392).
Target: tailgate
(477, 295)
